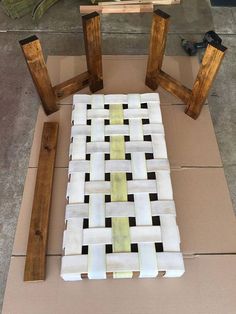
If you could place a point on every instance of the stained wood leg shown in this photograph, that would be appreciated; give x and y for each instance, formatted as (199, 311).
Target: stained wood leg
(92, 40)
(35, 263)
(210, 64)
(34, 57)
(160, 23)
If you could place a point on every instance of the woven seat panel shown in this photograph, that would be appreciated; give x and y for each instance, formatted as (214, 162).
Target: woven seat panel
(120, 214)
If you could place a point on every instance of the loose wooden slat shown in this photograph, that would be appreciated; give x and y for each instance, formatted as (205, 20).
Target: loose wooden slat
(133, 8)
(162, 2)
(173, 86)
(35, 264)
(92, 41)
(157, 45)
(71, 86)
(210, 64)
(34, 58)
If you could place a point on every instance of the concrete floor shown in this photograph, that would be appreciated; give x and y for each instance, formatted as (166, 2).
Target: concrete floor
(61, 34)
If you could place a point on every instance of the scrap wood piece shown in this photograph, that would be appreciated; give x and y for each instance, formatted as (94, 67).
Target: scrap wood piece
(35, 263)
(133, 8)
(123, 2)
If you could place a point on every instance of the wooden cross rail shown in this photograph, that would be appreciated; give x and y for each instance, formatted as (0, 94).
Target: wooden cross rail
(50, 96)
(194, 99)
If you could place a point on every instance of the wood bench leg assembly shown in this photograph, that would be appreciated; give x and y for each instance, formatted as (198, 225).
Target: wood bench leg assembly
(194, 99)
(49, 95)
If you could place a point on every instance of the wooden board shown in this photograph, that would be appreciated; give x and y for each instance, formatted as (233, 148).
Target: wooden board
(35, 263)
(161, 2)
(122, 8)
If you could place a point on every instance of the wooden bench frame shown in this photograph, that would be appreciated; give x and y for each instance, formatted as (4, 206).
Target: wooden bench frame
(194, 98)
(51, 95)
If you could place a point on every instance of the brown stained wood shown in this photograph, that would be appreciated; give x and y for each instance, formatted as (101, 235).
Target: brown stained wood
(160, 23)
(113, 9)
(210, 64)
(71, 86)
(35, 263)
(34, 58)
(92, 41)
(173, 86)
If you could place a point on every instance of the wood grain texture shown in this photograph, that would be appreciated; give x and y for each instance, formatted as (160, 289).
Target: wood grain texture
(92, 41)
(72, 85)
(160, 23)
(34, 58)
(124, 2)
(113, 9)
(35, 263)
(173, 86)
(210, 64)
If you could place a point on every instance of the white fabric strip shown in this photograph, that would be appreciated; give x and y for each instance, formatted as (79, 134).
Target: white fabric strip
(163, 208)
(96, 253)
(98, 113)
(136, 130)
(143, 217)
(134, 101)
(78, 148)
(164, 187)
(120, 209)
(97, 130)
(97, 167)
(79, 99)
(141, 186)
(138, 146)
(158, 164)
(77, 210)
(96, 211)
(80, 129)
(116, 99)
(125, 209)
(79, 114)
(93, 187)
(171, 263)
(147, 260)
(98, 147)
(72, 239)
(121, 165)
(157, 128)
(138, 234)
(170, 234)
(97, 262)
(154, 112)
(97, 101)
(73, 266)
(116, 130)
(147, 252)
(75, 188)
(139, 169)
(159, 146)
(135, 113)
(147, 97)
(118, 166)
(79, 166)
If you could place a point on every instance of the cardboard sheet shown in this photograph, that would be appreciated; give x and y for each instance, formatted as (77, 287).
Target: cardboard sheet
(204, 212)
(208, 286)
